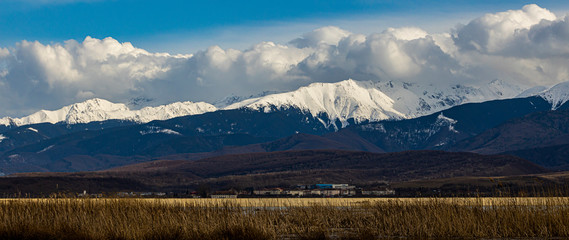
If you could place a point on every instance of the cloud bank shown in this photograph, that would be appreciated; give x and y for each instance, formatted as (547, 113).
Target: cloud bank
(528, 47)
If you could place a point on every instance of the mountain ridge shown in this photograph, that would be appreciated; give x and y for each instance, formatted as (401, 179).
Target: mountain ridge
(341, 101)
(97, 109)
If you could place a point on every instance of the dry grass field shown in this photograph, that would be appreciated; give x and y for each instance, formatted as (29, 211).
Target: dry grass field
(357, 218)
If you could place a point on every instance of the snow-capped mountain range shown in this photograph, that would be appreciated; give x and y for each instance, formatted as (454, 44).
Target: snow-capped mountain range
(349, 99)
(100, 110)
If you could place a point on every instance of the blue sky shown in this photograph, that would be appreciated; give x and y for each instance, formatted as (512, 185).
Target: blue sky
(187, 26)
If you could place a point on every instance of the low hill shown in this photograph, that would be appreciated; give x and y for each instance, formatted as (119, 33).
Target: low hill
(295, 167)
(552, 157)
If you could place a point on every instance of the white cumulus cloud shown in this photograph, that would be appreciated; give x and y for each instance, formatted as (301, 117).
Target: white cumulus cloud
(59, 73)
(528, 46)
(493, 32)
(329, 35)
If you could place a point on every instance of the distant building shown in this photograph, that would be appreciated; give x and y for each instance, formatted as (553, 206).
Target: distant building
(376, 192)
(126, 194)
(333, 186)
(324, 190)
(272, 191)
(315, 192)
(330, 192)
(141, 194)
(224, 194)
(296, 193)
(348, 192)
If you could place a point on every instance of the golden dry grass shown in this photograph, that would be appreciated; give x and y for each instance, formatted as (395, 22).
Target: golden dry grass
(307, 202)
(284, 218)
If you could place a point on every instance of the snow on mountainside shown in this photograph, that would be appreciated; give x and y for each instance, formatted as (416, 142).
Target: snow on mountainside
(101, 110)
(235, 99)
(342, 101)
(556, 95)
(534, 91)
(415, 100)
(378, 100)
(172, 110)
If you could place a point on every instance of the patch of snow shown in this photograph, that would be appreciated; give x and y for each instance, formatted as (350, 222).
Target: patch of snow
(440, 144)
(2, 137)
(445, 121)
(33, 129)
(157, 130)
(377, 127)
(47, 148)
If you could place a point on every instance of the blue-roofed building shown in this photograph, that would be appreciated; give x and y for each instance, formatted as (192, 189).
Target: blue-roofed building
(333, 186)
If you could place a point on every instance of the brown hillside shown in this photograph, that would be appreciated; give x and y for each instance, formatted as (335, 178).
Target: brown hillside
(357, 165)
(289, 168)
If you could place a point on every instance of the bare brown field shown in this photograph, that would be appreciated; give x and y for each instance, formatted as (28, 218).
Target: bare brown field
(319, 218)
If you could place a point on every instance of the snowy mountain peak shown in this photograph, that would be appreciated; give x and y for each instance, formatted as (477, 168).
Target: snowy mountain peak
(343, 100)
(557, 95)
(100, 110)
(96, 110)
(376, 101)
(98, 104)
